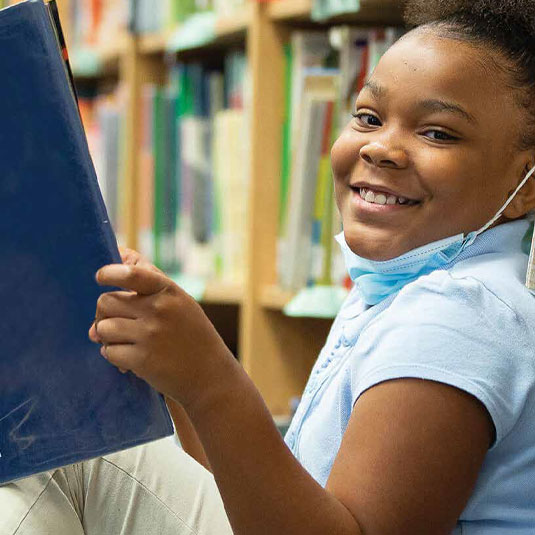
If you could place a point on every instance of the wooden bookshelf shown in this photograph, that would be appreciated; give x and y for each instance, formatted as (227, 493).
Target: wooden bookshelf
(277, 352)
(235, 25)
(227, 30)
(275, 298)
(289, 10)
(113, 50)
(223, 294)
(371, 12)
(154, 43)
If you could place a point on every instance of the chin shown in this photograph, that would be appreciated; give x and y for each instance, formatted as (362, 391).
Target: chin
(367, 248)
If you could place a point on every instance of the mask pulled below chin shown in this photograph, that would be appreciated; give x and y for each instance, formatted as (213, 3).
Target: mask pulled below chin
(376, 280)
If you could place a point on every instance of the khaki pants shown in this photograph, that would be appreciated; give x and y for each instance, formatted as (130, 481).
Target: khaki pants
(155, 489)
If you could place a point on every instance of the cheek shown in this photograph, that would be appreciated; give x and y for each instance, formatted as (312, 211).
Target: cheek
(444, 175)
(344, 155)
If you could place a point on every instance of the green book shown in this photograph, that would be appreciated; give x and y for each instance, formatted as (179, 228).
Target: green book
(158, 146)
(286, 160)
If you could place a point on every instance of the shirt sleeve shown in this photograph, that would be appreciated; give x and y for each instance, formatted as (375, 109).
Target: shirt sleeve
(454, 331)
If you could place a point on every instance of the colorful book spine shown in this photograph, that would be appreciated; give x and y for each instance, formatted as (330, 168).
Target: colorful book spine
(323, 185)
(198, 146)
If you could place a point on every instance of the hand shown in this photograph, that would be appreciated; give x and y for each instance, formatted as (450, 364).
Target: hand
(132, 258)
(158, 332)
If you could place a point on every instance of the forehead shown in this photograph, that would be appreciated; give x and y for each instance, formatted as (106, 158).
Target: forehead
(424, 65)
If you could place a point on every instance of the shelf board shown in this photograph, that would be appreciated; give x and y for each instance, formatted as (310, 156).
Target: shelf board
(227, 28)
(113, 50)
(290, 9)
(371, 12)
(218, 293)
(275, 298)
(94, 61)
(236, 24)
(154, 43)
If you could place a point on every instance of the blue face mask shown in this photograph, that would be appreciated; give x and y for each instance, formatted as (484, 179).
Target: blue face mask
(377, 280)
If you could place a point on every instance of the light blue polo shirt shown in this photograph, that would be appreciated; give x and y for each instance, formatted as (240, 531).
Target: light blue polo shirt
(471, 326)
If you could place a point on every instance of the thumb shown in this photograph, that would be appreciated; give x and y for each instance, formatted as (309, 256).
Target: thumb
(135, 278)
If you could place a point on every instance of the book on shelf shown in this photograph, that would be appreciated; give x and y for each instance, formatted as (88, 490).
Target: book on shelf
(307, 180)
(60, 401)
(149, 16)
(193, 158)
(92, 22)
(103, 117)
(324, 73)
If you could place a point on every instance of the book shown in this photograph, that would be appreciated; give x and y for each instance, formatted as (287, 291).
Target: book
(60, 401)
(103, 115)
(145, 204)
(194, 134)
(308, 53)
(149, 16)
(92, 22)
(307, 178)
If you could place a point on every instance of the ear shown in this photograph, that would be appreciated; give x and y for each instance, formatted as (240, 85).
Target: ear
(525, 198)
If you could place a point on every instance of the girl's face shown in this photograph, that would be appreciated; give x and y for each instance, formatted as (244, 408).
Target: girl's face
(432, 150)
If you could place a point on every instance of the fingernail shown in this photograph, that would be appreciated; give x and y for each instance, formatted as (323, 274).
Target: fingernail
(103, 352)
(114, 270)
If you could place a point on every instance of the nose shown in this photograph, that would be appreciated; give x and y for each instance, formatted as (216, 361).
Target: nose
(380, 154)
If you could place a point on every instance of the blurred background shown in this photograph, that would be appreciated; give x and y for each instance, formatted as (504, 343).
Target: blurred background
(210, 124)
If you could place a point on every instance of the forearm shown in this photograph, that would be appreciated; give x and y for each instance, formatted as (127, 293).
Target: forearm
(264, 488)
(187, 435)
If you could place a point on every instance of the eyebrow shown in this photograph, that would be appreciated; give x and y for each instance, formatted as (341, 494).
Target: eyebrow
(375, 89)
(430, 105)
(437, 105)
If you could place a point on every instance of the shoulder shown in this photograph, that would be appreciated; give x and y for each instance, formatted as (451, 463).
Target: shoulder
(460, 327)
(492, 283)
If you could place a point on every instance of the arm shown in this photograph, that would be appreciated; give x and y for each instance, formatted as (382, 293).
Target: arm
(186, 433)
(407, 465)
(386, 466)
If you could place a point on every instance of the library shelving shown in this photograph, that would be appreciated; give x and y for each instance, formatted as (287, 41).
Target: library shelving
(277, 351)
(370, 12)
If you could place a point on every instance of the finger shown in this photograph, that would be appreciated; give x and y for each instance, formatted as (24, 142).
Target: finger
(117, 331)
(134, 258)
(135, 278)
(117, 305)
(103, 353)
(93, 335)
(123, 356)
(129, 256)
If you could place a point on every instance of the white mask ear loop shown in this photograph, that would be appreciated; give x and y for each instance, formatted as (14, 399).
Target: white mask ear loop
(507, 203)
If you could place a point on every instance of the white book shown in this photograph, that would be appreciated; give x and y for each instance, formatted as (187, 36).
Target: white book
(302, 194)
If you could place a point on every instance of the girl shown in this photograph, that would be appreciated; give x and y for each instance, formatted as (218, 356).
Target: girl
(417, 415)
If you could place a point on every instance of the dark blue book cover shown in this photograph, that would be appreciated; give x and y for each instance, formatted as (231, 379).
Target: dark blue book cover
(60, 401)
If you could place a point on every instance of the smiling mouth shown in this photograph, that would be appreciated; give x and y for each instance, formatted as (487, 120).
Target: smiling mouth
(382, 198)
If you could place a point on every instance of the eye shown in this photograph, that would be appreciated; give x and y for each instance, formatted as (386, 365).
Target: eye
(367, 119)
(439, 135)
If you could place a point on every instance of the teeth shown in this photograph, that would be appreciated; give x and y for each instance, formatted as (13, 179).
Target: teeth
(381, 198)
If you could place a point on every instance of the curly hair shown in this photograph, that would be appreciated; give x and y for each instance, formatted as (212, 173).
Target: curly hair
(503, 26)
